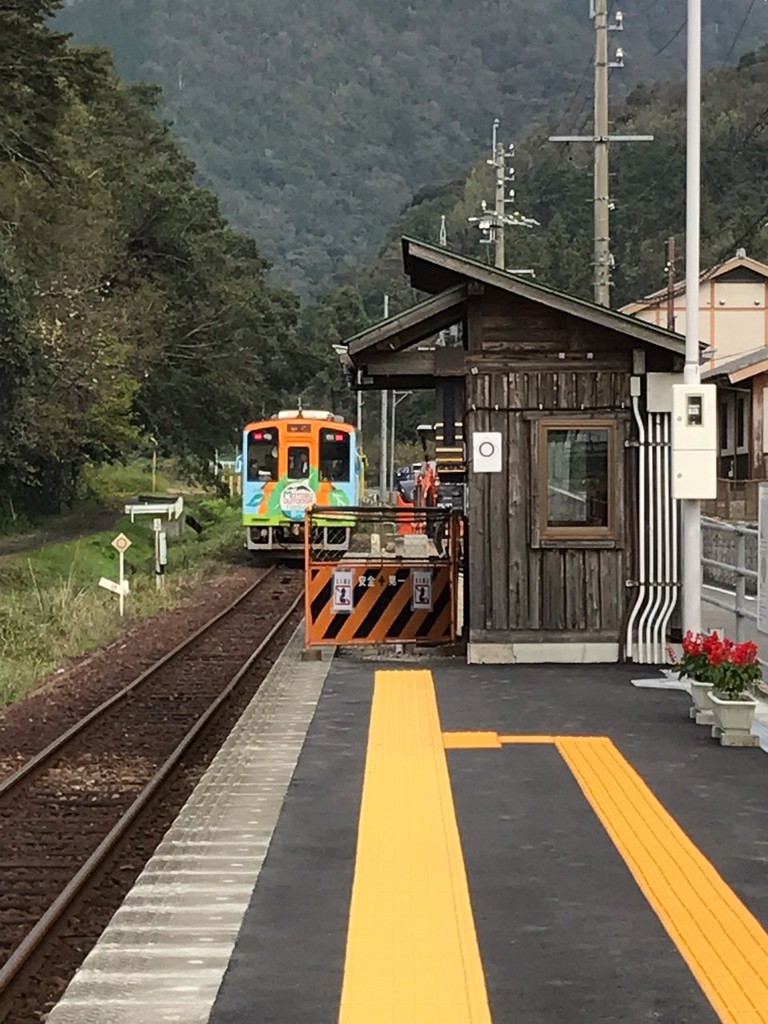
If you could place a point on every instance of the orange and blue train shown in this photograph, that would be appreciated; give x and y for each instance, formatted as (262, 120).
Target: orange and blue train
(297, 459)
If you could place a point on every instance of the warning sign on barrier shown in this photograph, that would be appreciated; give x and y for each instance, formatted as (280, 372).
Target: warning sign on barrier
(422, 590)
(384, 604)
(343, 591)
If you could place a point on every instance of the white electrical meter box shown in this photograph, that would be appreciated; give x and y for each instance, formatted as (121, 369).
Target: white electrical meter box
(694, 417)
(694, 441)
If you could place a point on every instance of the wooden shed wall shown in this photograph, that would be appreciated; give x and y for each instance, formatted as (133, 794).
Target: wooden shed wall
(522, 368)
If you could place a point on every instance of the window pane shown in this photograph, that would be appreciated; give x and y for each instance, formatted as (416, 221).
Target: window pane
(334, 455)
(298, 463)
(262, 455)
(577, 477)
(741, 418)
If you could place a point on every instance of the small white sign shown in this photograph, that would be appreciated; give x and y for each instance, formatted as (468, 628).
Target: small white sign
(486, 451)
(422, 590)
(343, 599)
(762, 560)
(115, 588)
(121, 542)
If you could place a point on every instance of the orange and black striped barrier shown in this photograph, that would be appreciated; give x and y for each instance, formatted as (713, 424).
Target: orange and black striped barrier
(396, 582)
(359, 603)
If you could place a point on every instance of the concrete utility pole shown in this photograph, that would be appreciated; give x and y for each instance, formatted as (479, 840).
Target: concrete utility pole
(500, 203)
(384, 421)
(601, 184)
(492, 224)
(691, 510)
(395, 399)
(600, 139)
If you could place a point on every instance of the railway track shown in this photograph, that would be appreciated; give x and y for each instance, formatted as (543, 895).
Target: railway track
(66, 811)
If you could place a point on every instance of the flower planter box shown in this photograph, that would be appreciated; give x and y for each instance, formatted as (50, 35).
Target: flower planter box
(733, 721)
(701, 709)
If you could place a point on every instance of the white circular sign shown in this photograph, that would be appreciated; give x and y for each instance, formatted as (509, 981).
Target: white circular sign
(296, 499)
(486, 449)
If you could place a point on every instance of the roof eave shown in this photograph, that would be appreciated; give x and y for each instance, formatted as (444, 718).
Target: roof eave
(414, 251)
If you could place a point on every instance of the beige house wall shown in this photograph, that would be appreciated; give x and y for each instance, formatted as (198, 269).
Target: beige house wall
(733, 317)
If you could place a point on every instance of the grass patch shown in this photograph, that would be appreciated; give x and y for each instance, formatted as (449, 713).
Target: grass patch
(52, 608)
(101, 487)
(106, 485)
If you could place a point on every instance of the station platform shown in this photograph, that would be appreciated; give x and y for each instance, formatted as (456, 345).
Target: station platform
(455, 845)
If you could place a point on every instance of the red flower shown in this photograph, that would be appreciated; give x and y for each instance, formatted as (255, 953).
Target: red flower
(692, 643)
(710, 658)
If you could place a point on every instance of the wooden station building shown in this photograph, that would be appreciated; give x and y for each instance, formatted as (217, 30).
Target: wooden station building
(572, 538)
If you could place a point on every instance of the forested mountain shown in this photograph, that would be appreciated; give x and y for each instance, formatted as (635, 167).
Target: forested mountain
(314, 122)
(129, 310)
(554, 186)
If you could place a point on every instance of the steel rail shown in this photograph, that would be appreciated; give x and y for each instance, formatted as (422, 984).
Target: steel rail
(56, 746)
(13, 967)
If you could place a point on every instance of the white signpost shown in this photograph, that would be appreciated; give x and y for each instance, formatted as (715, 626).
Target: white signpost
(161, 552)
(121, 544)
(762, 560)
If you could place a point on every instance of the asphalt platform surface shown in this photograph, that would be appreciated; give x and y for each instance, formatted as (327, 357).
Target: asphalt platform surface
(565, 933)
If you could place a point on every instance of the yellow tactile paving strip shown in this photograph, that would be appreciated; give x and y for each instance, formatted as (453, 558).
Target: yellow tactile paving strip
(412, 954)
(724, 945)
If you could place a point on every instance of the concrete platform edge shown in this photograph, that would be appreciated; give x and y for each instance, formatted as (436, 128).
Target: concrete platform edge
(164, 953)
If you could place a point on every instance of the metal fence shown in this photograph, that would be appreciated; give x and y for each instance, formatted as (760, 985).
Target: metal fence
(735, 545)
(382, 575)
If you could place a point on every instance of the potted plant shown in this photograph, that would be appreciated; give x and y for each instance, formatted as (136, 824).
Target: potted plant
(694, 665)
(735, 668)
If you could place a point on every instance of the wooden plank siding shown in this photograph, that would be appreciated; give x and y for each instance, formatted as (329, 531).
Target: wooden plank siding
(524, 368)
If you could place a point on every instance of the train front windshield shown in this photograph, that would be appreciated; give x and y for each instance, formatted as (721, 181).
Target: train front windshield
(335, 448)
(262, 455)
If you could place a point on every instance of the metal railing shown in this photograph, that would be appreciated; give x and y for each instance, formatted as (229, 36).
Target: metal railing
(738, 570)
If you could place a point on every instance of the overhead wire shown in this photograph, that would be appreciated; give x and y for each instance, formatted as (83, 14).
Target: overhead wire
(672, 38)
(677, 146)
(739, 31)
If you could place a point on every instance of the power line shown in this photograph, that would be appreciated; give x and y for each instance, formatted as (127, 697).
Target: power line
(577, 90)
(745, 236)
(671, 39)
(740, 30)
(587, 68)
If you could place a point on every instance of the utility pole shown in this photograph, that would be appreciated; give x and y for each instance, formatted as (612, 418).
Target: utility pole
(492, 224)
(690, 509)
(396, 399)
(500, 201)
(384, 421)
(602, 261)
(670, 268)
(601, 184)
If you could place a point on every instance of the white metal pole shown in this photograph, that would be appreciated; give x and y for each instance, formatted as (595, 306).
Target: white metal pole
(121, 577)
(392, 443)
(691, 510)
(384, 424)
